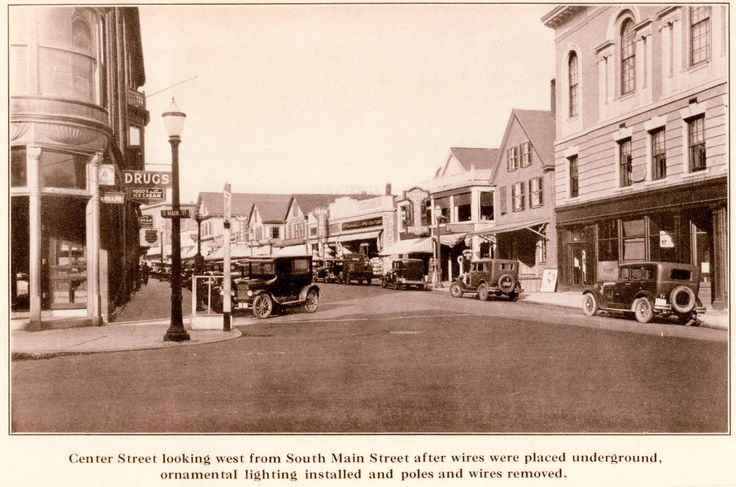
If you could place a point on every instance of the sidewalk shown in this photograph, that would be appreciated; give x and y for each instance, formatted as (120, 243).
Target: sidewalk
(713, 318)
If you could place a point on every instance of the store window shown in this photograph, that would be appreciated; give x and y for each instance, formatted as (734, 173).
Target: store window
(18, 175)
(659, 155)
(625, 162)
(634, 235)
(63, 170)
(662, 238)
(699, 34)
(462, 207)
(486, 206)
(696, 143)
(608, 240)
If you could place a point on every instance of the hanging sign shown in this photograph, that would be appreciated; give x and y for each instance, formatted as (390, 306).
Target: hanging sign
(146, 179)
(149, 237)
(145, 221)
(106, 175)
(113, 198)
(227, 198)
(147, 194)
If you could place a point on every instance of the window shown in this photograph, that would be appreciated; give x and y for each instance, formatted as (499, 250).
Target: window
(536, 190)
(526, 154)
(134, 136)
(634, 240)
(696, 143)
(301, 266)
(659, 155)
(462, 205)
(662, 237)
(699, 34)
(540, 251)
(62, 170)
(608, 240)
(406, 216)
(512, 158)
(502, 199)
(573, 162)
(628, 57)
(572, 74)
(18, 167)
(275, 232)
(624, 158)
(517, 196)
(486, 206)
(444, 204)
(312, 231)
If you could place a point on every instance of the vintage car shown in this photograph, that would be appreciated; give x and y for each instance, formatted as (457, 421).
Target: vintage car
(357, 268)
(499, 277)
(405, 273)
(646, 289)
(271, 283)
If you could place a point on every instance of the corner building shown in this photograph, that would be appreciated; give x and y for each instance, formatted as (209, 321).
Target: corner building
(641, 146)
(74, 108)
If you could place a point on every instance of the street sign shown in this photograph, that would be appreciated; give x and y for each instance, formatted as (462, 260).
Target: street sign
(175, 213)
(106, 175)
(145, 221)
(146, 179)
(149, 237)
(113, 198)
(147, 194)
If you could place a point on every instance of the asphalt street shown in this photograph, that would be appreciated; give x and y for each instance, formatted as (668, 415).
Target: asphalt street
(376, 360)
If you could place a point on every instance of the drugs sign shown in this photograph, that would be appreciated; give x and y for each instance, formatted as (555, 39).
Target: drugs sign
(147, 179)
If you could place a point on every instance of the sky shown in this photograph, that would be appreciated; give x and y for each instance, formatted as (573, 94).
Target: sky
(336, 98)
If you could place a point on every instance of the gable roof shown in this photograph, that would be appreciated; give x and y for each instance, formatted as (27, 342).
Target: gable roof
(539, 127)
(272, 207)
(469, 157)
(308, 202)
(240, 203)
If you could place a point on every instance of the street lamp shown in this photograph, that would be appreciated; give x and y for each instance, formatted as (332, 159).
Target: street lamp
(174, 122)
(437, 271)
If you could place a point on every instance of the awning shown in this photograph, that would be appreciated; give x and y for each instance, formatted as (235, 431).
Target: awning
(414, 245)
(237, 251)
(291, 250)
(535, 226)
(452, 239)
(352, 237)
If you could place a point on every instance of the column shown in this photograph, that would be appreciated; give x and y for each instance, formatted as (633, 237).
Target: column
(33, 165)
(93, 241)
(676, 53)
(602, 87)
(719, 262)
(664, 35)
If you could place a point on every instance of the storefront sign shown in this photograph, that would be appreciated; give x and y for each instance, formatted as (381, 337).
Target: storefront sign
(145, 221)
(106, 175)
(175, 213)
(113, 198)
(147, 179)
(665, 240)
(148, 238)
(370, 222)
(147, 194)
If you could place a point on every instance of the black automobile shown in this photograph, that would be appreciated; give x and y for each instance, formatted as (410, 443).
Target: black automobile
(646, 289)
(271, 283)
(497, 277)
(357, 268)
(405, 273)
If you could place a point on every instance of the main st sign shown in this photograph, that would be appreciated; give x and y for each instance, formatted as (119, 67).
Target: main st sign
(146, 178)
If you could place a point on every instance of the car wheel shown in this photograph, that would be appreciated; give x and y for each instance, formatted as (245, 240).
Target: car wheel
(455, 290)
(643, 310)
(482, 292)
(262, 306)
(513, 296)
(590, 305)
(506, 283)
(312, 301)
(682, 299)
(383, 282)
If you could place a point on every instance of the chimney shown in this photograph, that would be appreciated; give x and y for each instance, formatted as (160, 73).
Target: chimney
(553, 102)
(388, 189)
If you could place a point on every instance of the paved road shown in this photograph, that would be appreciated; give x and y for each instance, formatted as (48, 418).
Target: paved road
(153, 301)
(374, 360)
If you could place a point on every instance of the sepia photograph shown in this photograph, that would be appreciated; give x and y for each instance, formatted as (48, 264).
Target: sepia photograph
(367, 220)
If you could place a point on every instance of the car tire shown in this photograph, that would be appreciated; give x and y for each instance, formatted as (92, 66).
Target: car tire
(590, 305)
(643, 310)
(506, 283)
(678, 293)
(262, 306)
(483, 292)
(513, 296)
(311, 303)
(455, 290)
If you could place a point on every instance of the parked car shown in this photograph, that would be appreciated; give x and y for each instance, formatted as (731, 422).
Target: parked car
(499, 277)
(271, 283)
(648, 289)
(357, 268)
(405, 273)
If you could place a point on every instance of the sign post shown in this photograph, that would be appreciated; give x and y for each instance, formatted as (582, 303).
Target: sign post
(227, 302)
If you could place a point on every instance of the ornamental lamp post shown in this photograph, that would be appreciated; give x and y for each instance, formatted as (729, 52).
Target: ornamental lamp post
(437, 271)
(174, 123)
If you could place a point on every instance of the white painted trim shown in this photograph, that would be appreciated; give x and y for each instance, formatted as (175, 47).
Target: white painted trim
(622, 133)
(655, 123)
(571, 151)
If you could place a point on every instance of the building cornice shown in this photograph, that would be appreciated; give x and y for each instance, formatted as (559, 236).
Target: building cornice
(559, 15)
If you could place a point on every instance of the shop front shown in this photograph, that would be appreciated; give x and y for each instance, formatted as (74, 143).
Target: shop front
(687, 225)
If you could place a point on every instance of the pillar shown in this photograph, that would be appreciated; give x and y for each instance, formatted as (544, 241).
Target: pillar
(94, 305)
(33, 164)
(719, 291)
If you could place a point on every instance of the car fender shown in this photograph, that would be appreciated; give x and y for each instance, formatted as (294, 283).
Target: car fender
(263, 291)
(642, 294)
(305, 290)
(600, 299)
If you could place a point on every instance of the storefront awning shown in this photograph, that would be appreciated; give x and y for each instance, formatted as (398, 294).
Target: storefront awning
(352, 237)
(452, 239)
(535, 226)
(237, 251)
(291, 250)
(414, 245)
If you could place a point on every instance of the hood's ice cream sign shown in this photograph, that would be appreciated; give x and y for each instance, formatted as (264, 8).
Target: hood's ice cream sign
(147, 179)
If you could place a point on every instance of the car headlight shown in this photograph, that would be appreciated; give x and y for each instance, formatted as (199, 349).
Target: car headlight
(249, 293)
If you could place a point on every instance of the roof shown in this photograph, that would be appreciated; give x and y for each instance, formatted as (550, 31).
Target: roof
(308, 202)
(272, 207)
(539, 127)
(240, 203)
(471, 157)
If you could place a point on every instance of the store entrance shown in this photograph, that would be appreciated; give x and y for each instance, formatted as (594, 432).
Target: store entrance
(581, 271)
(700, 251)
